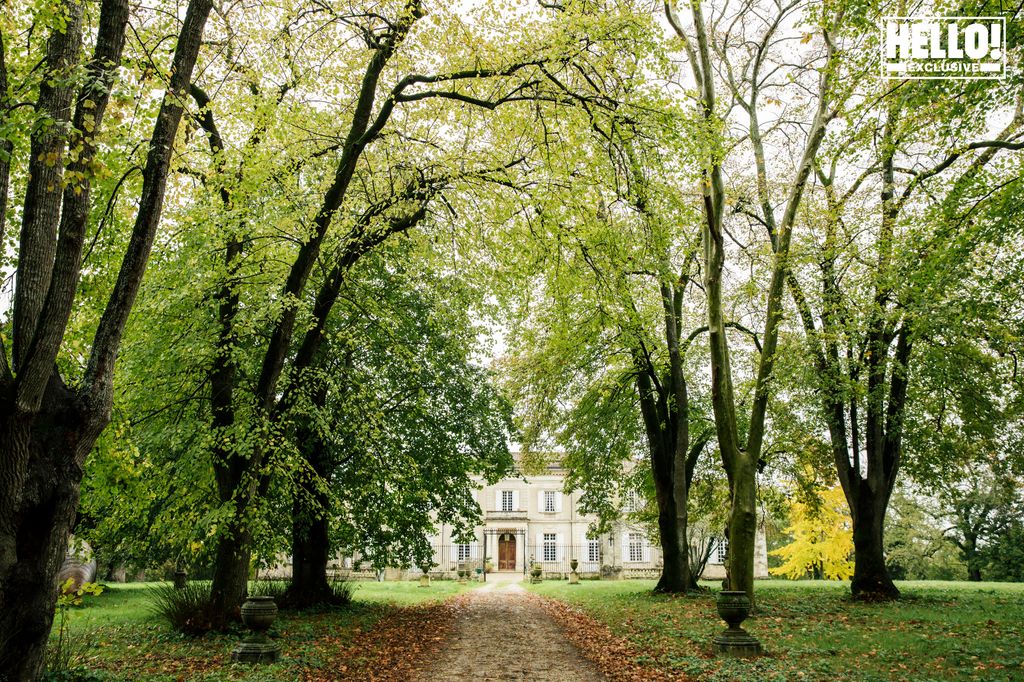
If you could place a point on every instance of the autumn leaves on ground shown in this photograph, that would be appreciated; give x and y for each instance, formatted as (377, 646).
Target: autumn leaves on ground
(397, 631)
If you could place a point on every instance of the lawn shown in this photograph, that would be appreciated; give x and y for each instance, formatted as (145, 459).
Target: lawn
(118, 637)
(812, 631)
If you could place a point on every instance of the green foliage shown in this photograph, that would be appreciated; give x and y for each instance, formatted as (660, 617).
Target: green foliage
(916, 548)
(1004, 556)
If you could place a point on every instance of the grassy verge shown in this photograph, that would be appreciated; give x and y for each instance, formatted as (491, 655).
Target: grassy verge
(117, 636)
(812, 631)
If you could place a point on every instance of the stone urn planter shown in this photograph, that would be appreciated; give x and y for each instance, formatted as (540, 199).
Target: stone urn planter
(424, 580)
(258, 614)
(734, 607)
(535, 573)
(574, 577)
(180, 579)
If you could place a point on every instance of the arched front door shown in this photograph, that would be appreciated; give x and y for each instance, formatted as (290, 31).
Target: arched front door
(506, 552)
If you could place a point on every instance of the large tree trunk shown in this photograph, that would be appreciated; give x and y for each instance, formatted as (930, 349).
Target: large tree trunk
(659, 425)
(675, 571)
(234, 553)
(743, 526)
(311, 550)
(311, 542)
(871, 581)
(54, 443)
(231, 571)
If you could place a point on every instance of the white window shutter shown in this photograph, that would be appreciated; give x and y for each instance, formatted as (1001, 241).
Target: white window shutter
(625, 547)
(558, 501)
(560, 547)
(473, 550)
(515, 500)
(539, 553)
(497, 500)
(647, 550)
(540, 500)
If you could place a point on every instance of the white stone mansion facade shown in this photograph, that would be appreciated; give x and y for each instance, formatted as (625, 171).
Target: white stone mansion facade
(529, 517)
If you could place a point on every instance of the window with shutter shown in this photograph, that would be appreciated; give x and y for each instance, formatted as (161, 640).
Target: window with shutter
(636, 547)
(549, 500)
(506, 500)
(550, 547)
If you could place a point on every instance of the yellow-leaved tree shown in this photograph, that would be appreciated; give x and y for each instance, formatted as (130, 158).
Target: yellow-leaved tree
(822, 538)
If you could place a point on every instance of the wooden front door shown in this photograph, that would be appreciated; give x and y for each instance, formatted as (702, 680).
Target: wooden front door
(506, 552)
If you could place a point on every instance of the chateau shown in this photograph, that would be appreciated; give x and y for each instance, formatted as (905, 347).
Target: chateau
(529, 518)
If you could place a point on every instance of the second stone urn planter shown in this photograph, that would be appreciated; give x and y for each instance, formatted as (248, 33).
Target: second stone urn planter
(258, 614)
(734, 607)
(574, 577)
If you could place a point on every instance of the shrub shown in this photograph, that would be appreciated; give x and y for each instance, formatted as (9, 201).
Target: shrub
(188, 610)
(270, 588)
(62, 654)
(338, 593)
(342, 592)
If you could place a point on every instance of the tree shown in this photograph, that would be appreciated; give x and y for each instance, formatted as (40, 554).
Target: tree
(822, 537)
(600, 362)
(865, 325)
(981, 510)
(247, 420)
(741, 460)
(395, 420)
(915, 546)
(51, 420)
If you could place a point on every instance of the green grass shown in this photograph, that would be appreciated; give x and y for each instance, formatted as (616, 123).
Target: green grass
(812, 631)
(117, 634)
(407, 592)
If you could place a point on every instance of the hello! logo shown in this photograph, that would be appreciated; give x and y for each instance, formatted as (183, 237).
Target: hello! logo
(943, 47)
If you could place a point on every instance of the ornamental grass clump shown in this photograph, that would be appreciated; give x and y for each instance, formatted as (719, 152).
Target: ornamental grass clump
(189, 609)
